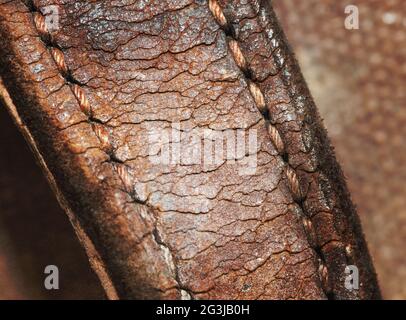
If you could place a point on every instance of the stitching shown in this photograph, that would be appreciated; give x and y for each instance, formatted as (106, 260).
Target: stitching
(60, 60)
(275, 137)
(82, 100)
(122, 170)
(99, 129)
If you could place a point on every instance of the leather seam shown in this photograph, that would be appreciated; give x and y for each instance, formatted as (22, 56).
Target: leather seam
(275, 137)
(123, 171)
(100, 131)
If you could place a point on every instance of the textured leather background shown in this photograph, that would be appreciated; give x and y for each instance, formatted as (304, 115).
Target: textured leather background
(211, 86)
(358, 79)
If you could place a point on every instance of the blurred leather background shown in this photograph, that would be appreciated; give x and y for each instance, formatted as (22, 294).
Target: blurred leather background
(357, 78)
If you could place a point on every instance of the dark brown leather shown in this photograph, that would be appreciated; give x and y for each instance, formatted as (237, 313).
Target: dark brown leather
(183, 231)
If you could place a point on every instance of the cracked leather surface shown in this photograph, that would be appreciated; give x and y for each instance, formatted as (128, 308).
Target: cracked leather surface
(184, 230)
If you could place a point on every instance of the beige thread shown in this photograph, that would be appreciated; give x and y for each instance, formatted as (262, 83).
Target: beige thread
(276, 138)
(258, 96)
(217, 12)
(309, 230)
(39, 21)
(99, 130)
(59, 59)
(274, 134)
(348, 250)
(237, 54)
(84, 103)
(308, 225)
(103, 135)
(324, 275)
(125, 176)
(294, 182)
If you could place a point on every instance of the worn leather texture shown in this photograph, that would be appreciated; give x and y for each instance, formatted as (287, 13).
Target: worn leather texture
(182, 231)
(357, 78)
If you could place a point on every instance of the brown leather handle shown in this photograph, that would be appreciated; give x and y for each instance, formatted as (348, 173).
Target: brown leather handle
(91, 91)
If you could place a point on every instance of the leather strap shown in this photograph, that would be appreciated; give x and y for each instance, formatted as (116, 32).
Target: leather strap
(91, 92)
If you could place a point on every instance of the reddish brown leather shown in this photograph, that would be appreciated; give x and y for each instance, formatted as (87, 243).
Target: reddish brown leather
(183, 231)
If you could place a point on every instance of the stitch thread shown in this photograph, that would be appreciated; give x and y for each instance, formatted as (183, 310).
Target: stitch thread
(122, 171)
(218, 13)
(84, 103)
(294, 183)
(308, 225)
(103, 134)
(348, 251)
(100, 131)
(238, 55)
(258, 96)
(59, 59)
(39, 21)
(275, 137)
(324, 274)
